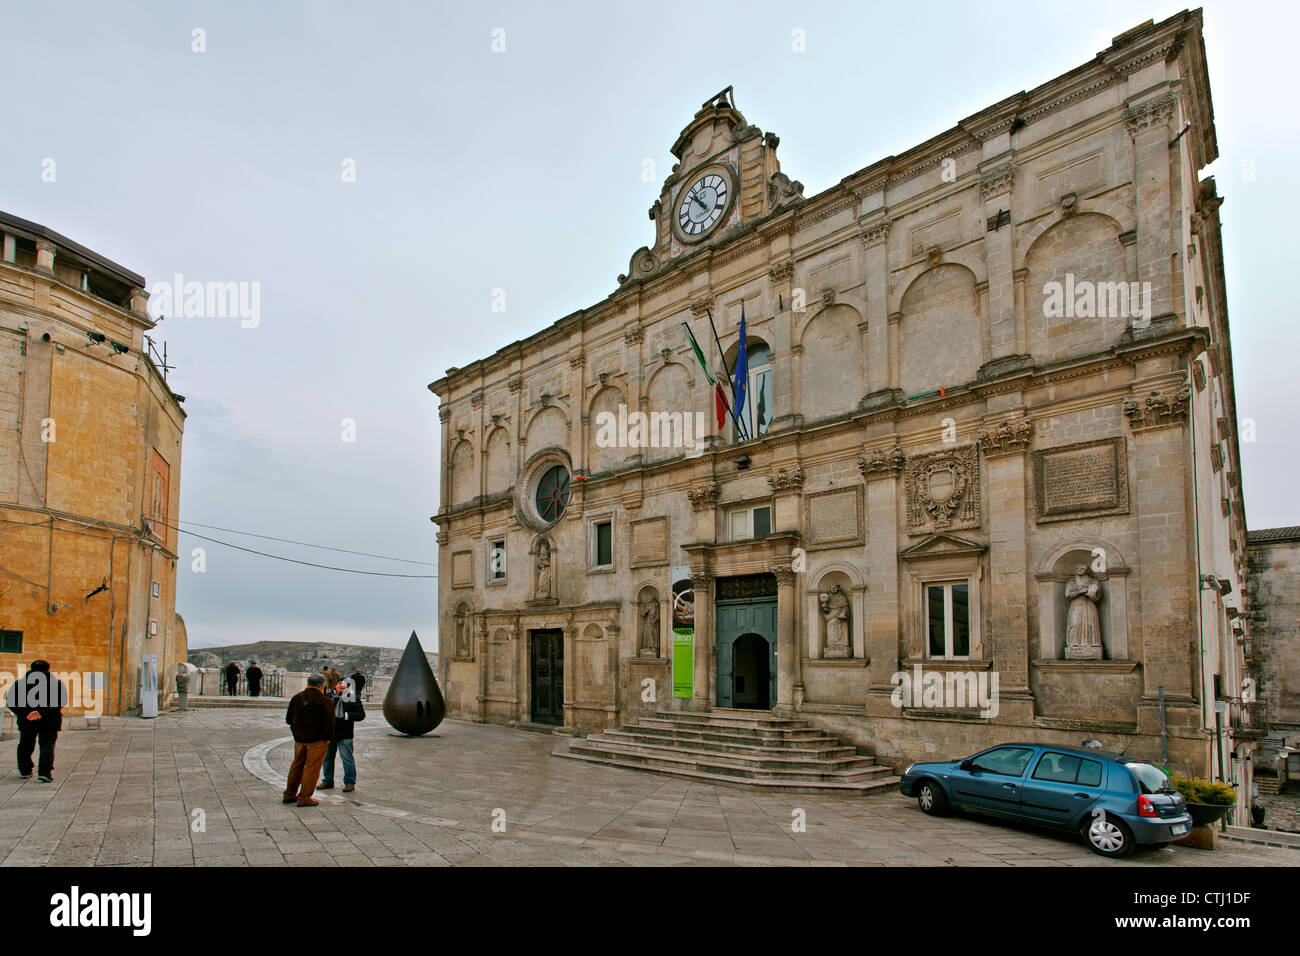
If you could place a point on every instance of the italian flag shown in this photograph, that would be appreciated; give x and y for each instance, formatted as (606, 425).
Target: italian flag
(721, 406)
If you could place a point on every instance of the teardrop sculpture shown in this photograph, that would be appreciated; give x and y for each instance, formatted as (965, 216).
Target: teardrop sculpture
(414, 704)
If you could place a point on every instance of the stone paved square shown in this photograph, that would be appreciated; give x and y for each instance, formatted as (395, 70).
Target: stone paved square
(132, 792)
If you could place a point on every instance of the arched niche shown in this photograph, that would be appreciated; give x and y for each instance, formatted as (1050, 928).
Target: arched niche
(650, 616)
(463, 483)
(463, 632)
(669, 400)
(602, 455)
(939, 330)
(832, 377)
(1108, 567)
(549, 428)
(1077, 293)
(851, 586)
(497, 462)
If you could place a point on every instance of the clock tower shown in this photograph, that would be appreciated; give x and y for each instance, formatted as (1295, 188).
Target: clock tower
(726, 177)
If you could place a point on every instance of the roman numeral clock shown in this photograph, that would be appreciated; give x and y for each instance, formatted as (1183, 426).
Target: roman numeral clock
(704, 202)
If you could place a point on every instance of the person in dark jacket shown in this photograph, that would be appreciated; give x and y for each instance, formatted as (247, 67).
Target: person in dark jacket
(358, 681)
(232, 678)
(347, 710)
(37, 702)
(311, 716)
(254, 675)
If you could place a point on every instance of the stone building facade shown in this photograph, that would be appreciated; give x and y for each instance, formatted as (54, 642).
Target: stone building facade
(90, 471)
(1273, 650)
(972, 452)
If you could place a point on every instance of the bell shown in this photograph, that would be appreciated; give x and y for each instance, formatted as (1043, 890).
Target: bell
(414, 704)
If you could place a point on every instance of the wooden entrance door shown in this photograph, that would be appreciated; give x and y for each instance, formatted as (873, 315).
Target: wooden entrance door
(755, 621)
(548, 677)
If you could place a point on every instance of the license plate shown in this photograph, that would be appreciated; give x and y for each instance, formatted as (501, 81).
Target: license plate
(1179, 829)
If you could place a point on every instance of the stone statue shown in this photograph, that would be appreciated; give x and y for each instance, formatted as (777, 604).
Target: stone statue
(1083, 625)
(649, 643)
(182, 687)
(462, 633)
(835, 612)
(543, 571)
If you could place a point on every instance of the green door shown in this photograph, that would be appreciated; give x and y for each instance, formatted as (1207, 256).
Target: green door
(747, 654)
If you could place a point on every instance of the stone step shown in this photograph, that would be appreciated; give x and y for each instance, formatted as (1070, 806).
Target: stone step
(724, 743)
(811, 738)
(768, 784)
(738, 761)
(753, 733)
(660, 758)
(266, 703)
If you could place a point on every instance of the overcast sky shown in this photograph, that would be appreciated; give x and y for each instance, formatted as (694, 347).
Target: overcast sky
(519, 170)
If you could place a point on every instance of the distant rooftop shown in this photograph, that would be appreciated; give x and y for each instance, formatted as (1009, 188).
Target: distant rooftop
(34, 230)
(1273, 534)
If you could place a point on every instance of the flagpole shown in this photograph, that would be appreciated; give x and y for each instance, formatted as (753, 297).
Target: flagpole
(739, 428)
(726, 367)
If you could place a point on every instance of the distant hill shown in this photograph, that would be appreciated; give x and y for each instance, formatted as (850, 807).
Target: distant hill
(300, 656)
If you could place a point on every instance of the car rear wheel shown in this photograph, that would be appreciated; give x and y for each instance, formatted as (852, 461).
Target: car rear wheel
(1108, 836)
(931, 798)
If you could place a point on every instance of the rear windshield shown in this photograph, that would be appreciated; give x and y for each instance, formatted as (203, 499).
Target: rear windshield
(1151, 779)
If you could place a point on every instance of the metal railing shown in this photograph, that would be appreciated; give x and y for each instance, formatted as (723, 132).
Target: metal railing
(1248, 718)
(272, 685)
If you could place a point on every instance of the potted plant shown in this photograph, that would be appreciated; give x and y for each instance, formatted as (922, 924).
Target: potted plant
(1207, 801)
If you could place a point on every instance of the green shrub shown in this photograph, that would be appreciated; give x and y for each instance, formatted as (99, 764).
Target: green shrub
(1196, 790)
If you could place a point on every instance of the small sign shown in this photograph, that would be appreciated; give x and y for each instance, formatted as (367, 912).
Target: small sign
(683, 662)
(1220, 706)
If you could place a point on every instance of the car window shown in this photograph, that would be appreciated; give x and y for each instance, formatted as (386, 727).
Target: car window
(1089, 773)
(1151, 779)
(1005, 760)
(1060, 768)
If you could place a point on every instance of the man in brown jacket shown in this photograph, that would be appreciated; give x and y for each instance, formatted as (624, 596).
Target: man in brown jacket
(312, 718)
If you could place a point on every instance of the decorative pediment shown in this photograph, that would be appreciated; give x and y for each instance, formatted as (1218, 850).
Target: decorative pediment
(942, 545)
(1158, 409)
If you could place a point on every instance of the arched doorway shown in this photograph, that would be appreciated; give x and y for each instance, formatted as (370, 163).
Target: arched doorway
(751, 673)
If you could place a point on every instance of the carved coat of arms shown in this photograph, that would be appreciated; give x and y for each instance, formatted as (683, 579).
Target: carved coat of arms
(943, 490)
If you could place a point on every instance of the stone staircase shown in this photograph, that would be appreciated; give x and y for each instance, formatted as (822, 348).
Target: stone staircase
(738, 747)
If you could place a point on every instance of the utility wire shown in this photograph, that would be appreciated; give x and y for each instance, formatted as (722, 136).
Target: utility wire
(305, 544)
(278, 557)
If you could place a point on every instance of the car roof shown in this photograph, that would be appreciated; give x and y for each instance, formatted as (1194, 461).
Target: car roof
(1077, 751)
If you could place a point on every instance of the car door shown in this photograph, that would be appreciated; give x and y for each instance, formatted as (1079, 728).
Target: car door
(991, 779)
(1061, 787)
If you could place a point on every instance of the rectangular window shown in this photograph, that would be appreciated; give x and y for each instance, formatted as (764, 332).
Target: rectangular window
(11, 642)
(759, 401)
(744, 523)
(604, 544)
(157, 591)
(948, 619)
(497, 561)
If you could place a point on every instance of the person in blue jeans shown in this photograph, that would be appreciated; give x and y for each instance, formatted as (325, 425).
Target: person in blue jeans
(347, 711)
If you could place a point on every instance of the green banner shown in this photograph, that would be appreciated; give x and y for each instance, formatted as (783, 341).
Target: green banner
(683, 662)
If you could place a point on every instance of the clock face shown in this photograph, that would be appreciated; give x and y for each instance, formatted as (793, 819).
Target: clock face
(702, 204)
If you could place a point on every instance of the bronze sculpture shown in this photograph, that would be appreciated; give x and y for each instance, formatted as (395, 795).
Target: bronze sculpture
(414, 704)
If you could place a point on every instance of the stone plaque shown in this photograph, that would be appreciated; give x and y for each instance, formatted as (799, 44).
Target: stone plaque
(834, 516)
(650, 541)
(1081, 481)
(462, 569)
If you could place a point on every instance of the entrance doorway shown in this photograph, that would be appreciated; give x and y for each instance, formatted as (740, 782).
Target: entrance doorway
(547, 668)
(746, 675)
(751, 672)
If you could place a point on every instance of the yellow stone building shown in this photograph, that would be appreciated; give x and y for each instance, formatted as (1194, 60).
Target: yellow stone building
(991, 444)
(90, 471)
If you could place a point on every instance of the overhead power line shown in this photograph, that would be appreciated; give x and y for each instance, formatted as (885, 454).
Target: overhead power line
(305, 544)
(310, 564)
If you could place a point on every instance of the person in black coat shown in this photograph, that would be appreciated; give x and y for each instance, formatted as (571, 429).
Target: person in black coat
(232, 678)
(37, 702)
(254, 675)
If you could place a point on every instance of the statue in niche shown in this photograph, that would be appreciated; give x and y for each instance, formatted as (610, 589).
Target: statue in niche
(835, 612)
(543, 571)
(648, 645)
(1083, 624)
(462, 632)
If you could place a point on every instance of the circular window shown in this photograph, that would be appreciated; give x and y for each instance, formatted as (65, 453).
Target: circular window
(553, 493)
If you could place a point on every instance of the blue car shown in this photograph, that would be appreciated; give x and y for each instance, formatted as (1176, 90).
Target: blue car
(1112, 801)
